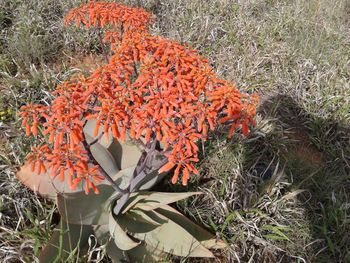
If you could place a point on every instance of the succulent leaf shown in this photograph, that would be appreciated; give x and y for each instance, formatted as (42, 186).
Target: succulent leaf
(104, 238)
(103, 156)
(206, 238)
(66, 238)
(133, 200)
(79, 208)
(43, 184)
(146, 253)
(123, 177)
(154, 200)
(137, 221)
(141, 253)
(126, 154)
(121, 238)
(172, 238)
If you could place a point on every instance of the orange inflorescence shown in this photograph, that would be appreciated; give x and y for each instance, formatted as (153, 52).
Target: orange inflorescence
(38, 158)
(90, 176)
(101, 14)
(151, 87)
(30, 118)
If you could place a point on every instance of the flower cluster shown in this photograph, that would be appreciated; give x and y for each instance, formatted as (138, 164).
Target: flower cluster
(126, 20)
(151, 88)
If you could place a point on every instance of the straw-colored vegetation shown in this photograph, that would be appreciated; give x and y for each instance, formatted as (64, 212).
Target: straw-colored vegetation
(280, 195)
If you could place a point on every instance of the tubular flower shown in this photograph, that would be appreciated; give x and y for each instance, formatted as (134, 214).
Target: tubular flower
(31, 115)
(182, 162)
(65, 159)
(90, 175)
(63, 124)
(100, 14)
(38, 158)
(150, 88)
(112, 116)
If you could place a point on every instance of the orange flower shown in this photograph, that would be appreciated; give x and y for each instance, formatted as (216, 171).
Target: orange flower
(100, 14)
(90, 176)
(112, 116)
(65, 158)
(31, 115)
(63, 124)
(151, 88)
(38, 158)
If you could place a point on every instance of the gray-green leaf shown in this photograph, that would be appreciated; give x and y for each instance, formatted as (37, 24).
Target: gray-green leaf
(206, 238)
(121, 239)
(91, 209)
(154, 200)
(172, 238)
(66, 240)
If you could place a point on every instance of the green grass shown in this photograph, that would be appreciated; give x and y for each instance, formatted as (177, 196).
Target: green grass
(282, 194)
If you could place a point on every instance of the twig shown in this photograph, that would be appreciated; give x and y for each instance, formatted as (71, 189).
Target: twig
(104, 52)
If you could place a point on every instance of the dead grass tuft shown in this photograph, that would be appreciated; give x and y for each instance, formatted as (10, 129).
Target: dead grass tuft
(280, 195)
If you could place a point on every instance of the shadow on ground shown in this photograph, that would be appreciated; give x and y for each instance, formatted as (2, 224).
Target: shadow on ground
(317, 159)
(280, 195)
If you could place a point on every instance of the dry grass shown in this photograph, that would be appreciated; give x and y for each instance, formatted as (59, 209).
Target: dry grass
(280, 195)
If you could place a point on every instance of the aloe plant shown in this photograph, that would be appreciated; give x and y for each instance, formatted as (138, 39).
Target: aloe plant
(136, 226)
(120, 131)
